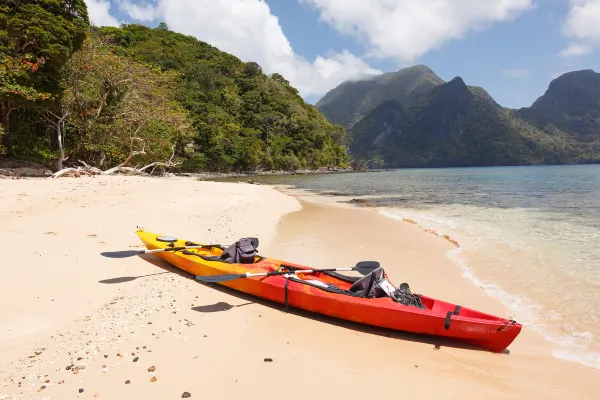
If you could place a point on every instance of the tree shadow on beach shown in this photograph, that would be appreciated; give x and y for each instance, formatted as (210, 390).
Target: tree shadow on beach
(436, 342)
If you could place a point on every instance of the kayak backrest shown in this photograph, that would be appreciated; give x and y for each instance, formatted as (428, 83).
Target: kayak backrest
(244, 251)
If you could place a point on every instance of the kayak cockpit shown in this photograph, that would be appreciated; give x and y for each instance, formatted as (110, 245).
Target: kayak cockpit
(371, 286)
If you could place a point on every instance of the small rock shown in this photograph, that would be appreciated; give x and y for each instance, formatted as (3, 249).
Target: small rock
(268, 360)
(152, 369)
(80, 390)
(68, 367)
(153, 379)
(43, 387)
(185, 395)
(127, 382)
(106, 356)
(135, 359)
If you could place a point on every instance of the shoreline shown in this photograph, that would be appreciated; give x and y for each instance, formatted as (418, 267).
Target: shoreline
(19, 168)
(495, 291)
(210, 341)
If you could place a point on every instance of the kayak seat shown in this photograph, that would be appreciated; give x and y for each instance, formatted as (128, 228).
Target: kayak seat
(243, 251)
(371, 286)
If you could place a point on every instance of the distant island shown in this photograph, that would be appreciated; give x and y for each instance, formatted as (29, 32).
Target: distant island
(412, 118)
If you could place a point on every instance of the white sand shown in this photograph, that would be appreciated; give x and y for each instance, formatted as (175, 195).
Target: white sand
(212, 342)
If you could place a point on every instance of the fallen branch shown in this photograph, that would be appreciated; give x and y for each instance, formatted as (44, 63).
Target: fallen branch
(89, 170)
(168, 164)
(77, 172)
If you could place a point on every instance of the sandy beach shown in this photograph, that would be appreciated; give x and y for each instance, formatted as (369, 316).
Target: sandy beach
(79, 325)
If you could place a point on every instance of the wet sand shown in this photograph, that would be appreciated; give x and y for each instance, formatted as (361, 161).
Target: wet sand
(69, 309)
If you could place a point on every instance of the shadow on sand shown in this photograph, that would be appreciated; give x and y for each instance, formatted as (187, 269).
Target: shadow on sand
(124, 279)
(436, 342)
(220, 306)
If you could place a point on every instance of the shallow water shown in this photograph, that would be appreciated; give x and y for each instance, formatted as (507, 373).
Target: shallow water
(528, 235)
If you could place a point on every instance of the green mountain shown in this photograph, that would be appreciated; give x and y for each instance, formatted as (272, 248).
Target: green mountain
(351, 101)
(571, 104)
(450, 125)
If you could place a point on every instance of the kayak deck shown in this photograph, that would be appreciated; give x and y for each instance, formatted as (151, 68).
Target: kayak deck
(438, 318)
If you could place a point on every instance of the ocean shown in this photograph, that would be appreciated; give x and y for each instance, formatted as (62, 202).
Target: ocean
(528, 235)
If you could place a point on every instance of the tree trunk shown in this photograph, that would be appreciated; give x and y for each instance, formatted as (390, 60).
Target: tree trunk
(53, 140)
(4, 112)
(59, 135)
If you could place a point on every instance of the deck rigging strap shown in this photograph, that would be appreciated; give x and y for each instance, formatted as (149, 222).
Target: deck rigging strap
(447, 322)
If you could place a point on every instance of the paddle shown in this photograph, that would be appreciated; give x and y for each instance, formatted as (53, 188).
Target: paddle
(363, 267)
(132, 253)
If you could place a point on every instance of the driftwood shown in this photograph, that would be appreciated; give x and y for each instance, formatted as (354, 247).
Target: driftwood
(87, 169)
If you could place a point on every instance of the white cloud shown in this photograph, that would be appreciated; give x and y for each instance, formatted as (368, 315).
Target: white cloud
(515, 72)
(575, 50)
(402, 30)
(98, 11)
(407, 29)
(146, 13)
(248, 30)
(583, 26)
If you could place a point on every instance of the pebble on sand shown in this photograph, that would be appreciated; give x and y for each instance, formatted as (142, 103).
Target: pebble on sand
(185, 395)
(80, 390)
(153, 379)
(151, 369)
(135, 359)
(127, 382)
(268, 359)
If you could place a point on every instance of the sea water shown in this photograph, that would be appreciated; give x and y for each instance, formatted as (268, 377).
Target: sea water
(528, 235)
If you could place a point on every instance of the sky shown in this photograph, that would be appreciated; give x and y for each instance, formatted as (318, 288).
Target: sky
(512, 48)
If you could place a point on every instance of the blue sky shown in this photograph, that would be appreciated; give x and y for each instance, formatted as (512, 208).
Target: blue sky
(513, 50)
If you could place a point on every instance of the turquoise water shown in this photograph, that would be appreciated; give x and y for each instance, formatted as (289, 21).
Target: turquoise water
(528, 235)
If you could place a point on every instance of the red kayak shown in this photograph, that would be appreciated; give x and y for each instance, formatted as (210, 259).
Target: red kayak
(371, 299)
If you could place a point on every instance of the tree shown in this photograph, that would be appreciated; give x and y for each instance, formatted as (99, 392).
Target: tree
(118, 108)
(37, 38)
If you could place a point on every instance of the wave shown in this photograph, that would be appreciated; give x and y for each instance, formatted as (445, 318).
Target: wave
(496, 247)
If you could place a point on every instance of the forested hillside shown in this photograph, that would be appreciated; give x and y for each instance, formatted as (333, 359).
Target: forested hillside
(73, 94)
(411, 118)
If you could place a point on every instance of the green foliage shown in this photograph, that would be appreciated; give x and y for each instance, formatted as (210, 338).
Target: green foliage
(153, 93)
(242, 119)
(117, 106)
(37, 37)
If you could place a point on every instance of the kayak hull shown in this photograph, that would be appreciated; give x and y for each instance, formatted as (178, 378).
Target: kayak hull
(441, 319)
